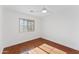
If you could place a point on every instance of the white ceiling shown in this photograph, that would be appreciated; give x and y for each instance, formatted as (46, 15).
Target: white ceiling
(52, 9)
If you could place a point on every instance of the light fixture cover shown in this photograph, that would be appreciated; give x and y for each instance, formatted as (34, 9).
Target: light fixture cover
(44, 10)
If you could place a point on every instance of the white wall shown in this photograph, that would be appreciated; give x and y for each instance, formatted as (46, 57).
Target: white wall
(11, 34)
(63, 27)
(1, 47)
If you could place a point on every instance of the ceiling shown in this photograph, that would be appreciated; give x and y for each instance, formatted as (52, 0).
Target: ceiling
(52, 9)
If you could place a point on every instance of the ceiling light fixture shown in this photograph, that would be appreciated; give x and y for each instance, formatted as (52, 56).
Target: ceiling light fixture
(44, 10)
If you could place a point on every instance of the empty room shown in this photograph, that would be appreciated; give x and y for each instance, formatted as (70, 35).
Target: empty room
(39, 29)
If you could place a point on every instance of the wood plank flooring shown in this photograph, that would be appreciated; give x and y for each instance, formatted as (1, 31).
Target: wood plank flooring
(26, 46)
(44, 49)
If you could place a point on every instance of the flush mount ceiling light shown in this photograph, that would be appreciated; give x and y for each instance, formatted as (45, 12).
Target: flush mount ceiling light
(44, 10)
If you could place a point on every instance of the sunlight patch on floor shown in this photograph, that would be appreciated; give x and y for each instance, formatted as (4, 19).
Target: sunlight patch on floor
(45, 49)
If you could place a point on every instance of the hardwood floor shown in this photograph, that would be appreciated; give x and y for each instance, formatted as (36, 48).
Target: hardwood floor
(26, 46)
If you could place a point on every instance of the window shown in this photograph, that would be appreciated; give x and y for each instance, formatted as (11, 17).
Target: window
(26, 25)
